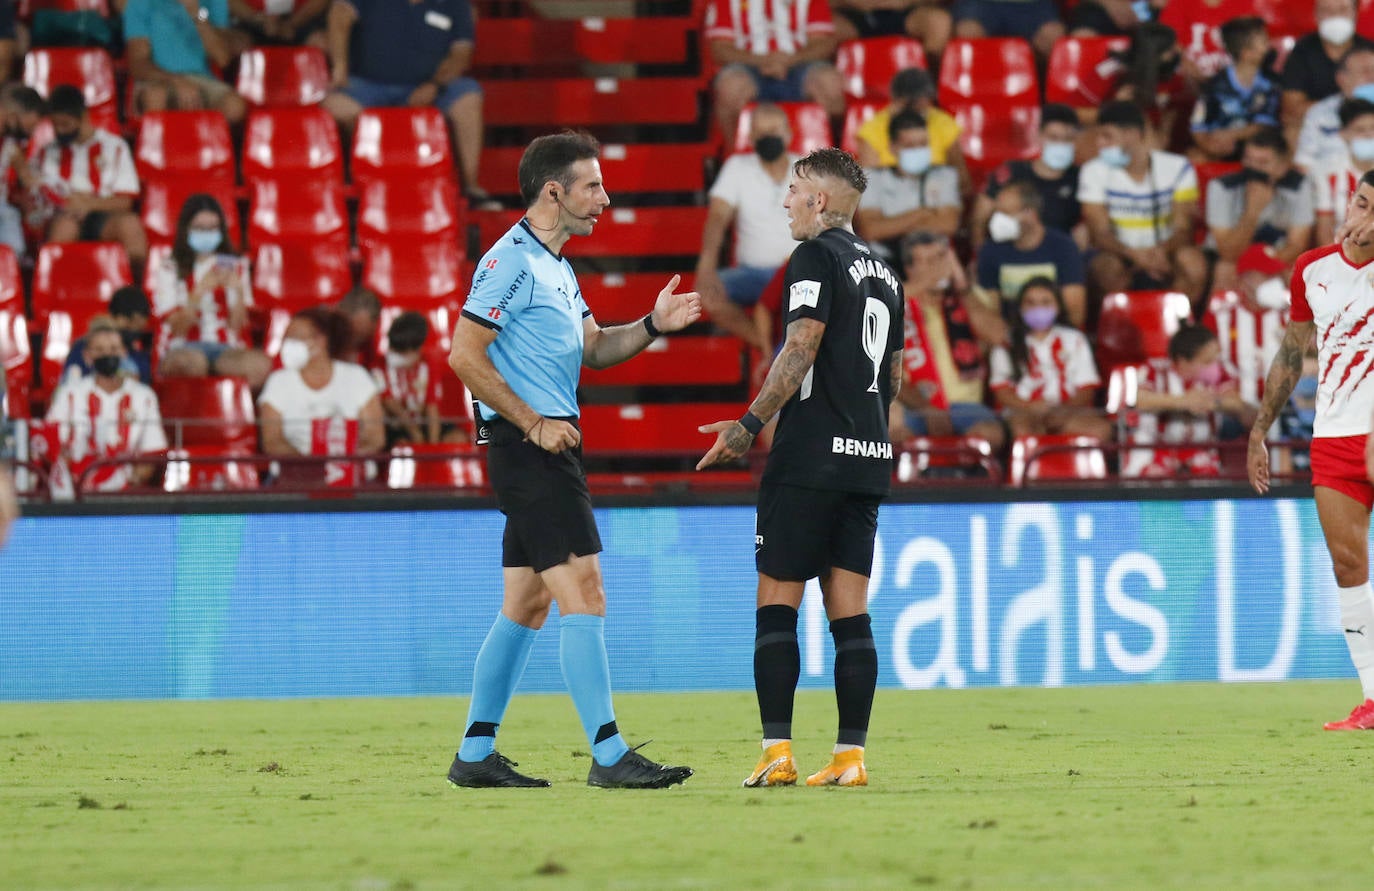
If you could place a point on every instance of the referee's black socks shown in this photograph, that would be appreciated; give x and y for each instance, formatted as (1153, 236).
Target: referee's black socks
(777, 667)
(856, 675)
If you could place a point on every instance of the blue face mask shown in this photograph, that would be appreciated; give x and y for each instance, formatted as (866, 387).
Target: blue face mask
(1057, 155)
(1114, 156)
(203, 241)
(914, 161)
(1363, 91)
(1142, 10)
(1362, 149)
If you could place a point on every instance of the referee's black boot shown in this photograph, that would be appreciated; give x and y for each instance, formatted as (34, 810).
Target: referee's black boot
(634, 771)
(492, 772)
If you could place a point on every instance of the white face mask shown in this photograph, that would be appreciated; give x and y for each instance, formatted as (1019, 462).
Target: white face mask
(294, 354)
(1337, 29)
(401, 360)
(1272, 293)
(1004, 227)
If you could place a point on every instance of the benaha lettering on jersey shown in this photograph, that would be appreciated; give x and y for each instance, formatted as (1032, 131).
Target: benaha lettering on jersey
(865, 267)
(863, 448)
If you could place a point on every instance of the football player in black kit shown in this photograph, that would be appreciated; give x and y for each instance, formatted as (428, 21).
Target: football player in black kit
(830, 464)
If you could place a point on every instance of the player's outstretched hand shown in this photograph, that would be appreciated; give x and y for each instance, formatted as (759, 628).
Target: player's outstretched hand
(553, 435)
(673, 312)
(1257, 464)
(732, 442)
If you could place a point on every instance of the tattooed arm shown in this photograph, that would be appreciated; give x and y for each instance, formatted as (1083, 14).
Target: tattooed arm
(1284, 373)
(894, 373)
(789, 369)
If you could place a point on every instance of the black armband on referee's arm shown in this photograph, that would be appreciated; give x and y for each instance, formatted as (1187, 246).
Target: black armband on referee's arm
(651, 327)
(750, 422)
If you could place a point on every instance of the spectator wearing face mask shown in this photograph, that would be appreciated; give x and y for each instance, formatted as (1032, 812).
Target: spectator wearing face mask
(1319, 141)
(202, 296)
(317, 404)
(1045, 380)
(1192, 397)
(130, 315)
(408, 386)
(106, 415)
(1265, 202)
(747, 195)
(911, 89)
(1309, 74)
(1336, 180)
(21, 109)
(1053, 173)
(913, 195)
(1021, 248)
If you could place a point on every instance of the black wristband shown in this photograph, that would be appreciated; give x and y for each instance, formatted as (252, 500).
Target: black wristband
(750, 422)
(649, 326)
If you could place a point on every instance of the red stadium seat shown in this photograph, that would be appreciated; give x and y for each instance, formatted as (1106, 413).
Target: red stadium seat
(657, 167)
(283, 76)
(184, 143)
(664, 427)
(292, 142)
(810, 128)
(90, 69)
(28, 7)
(855, 116)
(995, 132)
(1075, 76)
(412, 271)
(1058, 458)
(587, 102)
(297, 211)
(1134, 326)
(616, 297)
(11, 284)
(163, 198)
(676, 361)
(190, 469)
(64, 327)
(531, 42)
(77, 274)
(389, 209)
(209, 411)
(922, 456)
(436, 465)
(988, 68)
(620, 232)
(401, 142)
(868, 65)
(300, 275)
(16, 353)
(1284, 17)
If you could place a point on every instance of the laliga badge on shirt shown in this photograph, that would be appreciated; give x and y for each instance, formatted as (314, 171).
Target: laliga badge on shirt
(803, 293)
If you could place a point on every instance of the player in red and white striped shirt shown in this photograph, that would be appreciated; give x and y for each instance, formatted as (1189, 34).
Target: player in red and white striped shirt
(772, 51)
(1048, 385)
(88, 179)
(1333, 300)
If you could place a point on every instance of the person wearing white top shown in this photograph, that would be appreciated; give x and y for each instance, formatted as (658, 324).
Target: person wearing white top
(312, 386)
(1335, 181)
(748, 194)
(103, 416)
(1141, 209)
(1319, 140)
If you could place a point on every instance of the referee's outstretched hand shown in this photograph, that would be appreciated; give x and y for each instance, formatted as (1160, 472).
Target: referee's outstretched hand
(553, 435)
(673, 312)
(732, 442)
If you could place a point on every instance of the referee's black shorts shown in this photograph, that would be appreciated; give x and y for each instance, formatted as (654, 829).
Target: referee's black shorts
(545, 499)
(800, 533)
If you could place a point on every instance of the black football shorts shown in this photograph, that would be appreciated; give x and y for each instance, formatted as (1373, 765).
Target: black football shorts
(801, 533)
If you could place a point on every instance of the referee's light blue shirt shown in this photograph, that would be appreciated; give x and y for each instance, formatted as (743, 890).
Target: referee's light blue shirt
(529, 296)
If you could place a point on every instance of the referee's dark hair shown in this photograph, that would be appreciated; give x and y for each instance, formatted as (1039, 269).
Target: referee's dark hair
(551, 157)
(834, 163)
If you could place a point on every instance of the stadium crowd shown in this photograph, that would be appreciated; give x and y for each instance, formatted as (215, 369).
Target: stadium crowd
(1096, 206)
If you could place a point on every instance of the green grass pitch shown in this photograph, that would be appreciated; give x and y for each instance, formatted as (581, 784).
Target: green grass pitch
(1170, 786)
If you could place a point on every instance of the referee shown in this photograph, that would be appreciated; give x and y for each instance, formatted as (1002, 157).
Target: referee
(830, 464)
(524, 334)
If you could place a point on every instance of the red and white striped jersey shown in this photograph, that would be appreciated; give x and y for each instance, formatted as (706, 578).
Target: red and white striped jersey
(412, 388)
(1334, 183)
(768, 26)
(102, 166)
(1159, 376)
(1339, 298)
(1248, 340)
(1058, 365)
(171, 291)
(93, 424)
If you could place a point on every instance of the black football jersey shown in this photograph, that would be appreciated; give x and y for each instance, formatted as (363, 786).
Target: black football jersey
(832, 433)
